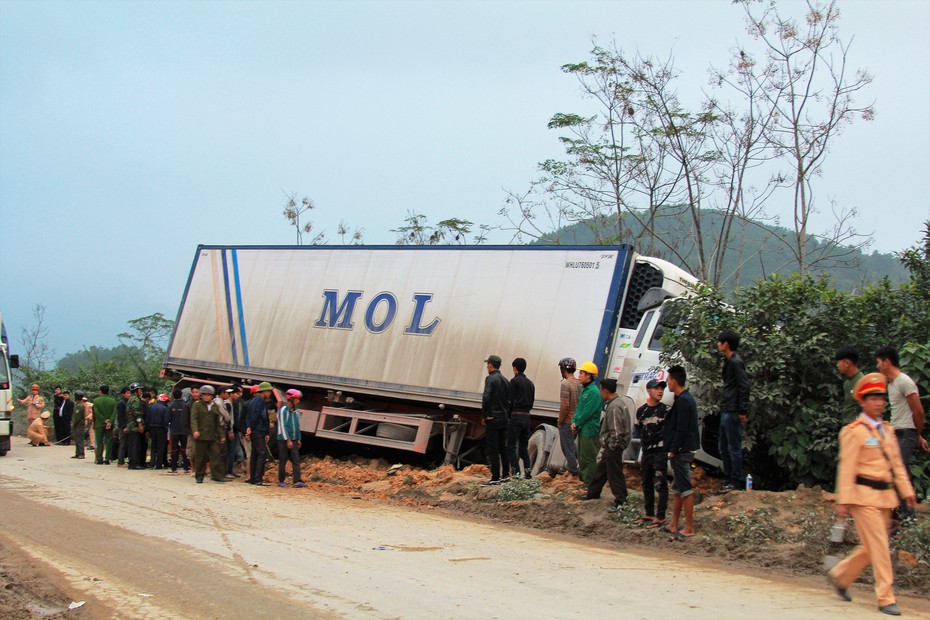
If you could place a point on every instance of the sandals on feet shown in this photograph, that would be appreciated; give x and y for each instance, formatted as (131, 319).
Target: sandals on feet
(656, 524)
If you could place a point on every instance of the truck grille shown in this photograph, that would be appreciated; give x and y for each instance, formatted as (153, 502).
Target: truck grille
(643, 278)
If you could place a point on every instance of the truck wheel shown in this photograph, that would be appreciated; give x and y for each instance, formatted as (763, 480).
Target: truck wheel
(398, 432)
(2, 451)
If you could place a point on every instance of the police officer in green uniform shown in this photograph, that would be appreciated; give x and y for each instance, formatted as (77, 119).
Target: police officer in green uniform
(208, 434)
(135, 426)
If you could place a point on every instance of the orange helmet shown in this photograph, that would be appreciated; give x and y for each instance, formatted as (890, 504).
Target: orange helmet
(872, 383)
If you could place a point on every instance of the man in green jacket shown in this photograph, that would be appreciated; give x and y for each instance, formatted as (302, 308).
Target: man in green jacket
(847, 363)
(135, 427)
(208, 433)
(587, 421)
(104, 423)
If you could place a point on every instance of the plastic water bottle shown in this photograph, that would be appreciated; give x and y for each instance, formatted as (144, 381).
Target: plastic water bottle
(749, 482)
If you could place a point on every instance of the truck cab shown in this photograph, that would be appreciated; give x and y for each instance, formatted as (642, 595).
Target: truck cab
(634, 360)
(7, 363)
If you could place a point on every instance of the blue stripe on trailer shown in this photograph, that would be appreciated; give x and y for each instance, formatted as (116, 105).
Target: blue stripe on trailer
(245, 346)
(229, 315)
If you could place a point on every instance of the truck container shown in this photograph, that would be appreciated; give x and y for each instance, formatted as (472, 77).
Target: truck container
(388, 343)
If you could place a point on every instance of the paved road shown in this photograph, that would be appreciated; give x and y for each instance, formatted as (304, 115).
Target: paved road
(147, 544)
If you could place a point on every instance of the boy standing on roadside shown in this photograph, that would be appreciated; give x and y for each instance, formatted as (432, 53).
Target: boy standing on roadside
(650, 420)
(681, 438)
(289, 439)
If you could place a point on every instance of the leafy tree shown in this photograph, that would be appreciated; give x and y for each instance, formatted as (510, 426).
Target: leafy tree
(810, 93)
(790, 329)
(453, 231)
(649, 153)
(36, 350)
(145, 346)
(297, 212)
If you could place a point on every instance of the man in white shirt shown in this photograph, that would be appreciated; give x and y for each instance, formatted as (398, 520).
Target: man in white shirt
(907, 412)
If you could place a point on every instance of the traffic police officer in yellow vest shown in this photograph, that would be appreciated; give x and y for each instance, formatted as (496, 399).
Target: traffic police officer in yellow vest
(870, 470)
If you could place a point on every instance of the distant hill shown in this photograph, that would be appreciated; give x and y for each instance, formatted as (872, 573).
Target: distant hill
(759, 254)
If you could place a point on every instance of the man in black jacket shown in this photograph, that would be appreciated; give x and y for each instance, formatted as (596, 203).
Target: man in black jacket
(681, 438)
(734, 405)
(495, 403)
(522, 398)
(158, 419)
(177, 431)
(64, 411)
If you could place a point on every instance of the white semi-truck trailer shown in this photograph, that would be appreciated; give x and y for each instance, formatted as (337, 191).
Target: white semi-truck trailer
(387, 343)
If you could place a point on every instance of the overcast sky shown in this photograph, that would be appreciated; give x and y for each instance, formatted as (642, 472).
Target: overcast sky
(130, 132)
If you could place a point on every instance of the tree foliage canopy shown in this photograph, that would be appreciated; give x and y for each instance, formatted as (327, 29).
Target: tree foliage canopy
(790, 329)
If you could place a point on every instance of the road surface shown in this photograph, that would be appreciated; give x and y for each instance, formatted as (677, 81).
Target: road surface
(137, 544)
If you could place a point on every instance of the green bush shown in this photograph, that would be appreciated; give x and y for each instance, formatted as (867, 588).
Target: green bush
(790, 330)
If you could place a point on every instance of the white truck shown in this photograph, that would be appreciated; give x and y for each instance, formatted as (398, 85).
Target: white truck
(387, 343)
(7, 362)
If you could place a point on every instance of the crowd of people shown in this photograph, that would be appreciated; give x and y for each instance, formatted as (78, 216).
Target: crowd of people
(198, 430)
(874, 480)
(225, 433)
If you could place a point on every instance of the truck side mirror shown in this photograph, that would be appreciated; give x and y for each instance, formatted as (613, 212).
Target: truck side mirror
(653, 298)
(14, 361)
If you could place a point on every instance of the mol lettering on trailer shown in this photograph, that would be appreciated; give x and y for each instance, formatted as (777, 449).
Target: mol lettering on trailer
(380, 312)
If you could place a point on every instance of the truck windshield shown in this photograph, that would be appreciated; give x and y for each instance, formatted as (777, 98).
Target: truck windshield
(655, 344)
(4, 372)
(643, 328)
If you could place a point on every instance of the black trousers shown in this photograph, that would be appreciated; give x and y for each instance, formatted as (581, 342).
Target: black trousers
(496, 446)
(654, 469)
(286, 454)
(78, 435)
(62, 430)
(134, 449)
(259, 456)
(518, 439)
(159, 445)
(179, 448)
(609, 470)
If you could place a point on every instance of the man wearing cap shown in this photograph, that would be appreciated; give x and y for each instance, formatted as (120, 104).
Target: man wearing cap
(158, 418)
(650, 419)
(289, 439)
(614, 438)
(569, 391)
(104, 423)
(135, 427)
(870, 470)
(257, 432)
(586, 422)
(37, 433)
(34, 404)
(206, 431)
(495, 403)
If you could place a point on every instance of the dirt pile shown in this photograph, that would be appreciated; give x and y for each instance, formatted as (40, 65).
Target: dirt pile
(787, 530)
